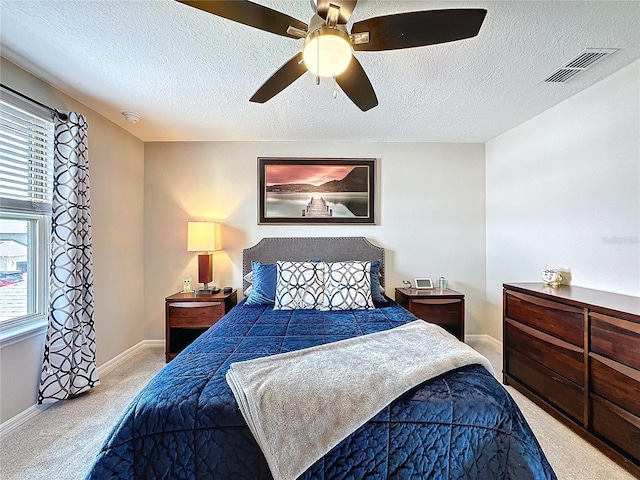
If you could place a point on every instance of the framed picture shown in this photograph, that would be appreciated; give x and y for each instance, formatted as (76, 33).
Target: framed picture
(423, 283)
(316, 191)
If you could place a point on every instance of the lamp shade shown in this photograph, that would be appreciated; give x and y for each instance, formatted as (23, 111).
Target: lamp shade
(203, 237)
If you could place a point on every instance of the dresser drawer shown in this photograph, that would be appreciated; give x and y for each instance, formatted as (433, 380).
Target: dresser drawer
(616, 425)
(616, 339)
(561, 357)
(195, 314)
(553, 318)
(616, 382)
(557, 390)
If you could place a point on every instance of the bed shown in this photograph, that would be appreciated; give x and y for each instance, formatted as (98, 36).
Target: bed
(186, 423)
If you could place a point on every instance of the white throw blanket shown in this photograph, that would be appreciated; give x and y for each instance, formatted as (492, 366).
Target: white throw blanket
(299, 405)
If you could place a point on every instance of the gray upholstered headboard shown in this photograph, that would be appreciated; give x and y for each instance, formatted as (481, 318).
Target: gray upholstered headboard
(297, 249)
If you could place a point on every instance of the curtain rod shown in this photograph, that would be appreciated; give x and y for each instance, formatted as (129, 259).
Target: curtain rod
(54, 111)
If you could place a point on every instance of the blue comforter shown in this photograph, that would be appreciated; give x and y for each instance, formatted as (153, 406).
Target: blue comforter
(186, 424)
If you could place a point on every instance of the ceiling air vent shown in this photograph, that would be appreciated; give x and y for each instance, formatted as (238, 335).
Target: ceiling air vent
(585, 59)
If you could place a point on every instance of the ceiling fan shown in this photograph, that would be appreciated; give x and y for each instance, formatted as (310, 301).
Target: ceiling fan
(328, 46)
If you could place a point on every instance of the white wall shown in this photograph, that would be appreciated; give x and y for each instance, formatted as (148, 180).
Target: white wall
(431, 213)
(563, 190)
(116, 167)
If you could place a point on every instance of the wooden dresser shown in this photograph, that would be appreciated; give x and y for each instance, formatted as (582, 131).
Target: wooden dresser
(576, 353)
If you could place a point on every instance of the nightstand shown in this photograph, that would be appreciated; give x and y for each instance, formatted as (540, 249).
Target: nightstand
(442, 307)
(187, 316)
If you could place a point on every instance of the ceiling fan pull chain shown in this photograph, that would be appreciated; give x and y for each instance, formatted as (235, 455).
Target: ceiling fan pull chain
(318, 62)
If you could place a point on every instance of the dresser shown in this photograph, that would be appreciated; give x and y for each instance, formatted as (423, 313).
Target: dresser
(188, 315)
(576, 353)
(444, 307)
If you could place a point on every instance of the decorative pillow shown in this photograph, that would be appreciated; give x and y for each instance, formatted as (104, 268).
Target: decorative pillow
(249, 279)
(263, 288)
(299, 285)
(347, 286)
(376, 289)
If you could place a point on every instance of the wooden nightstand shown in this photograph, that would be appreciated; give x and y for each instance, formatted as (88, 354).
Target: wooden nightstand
(188, 316)
(442, 307)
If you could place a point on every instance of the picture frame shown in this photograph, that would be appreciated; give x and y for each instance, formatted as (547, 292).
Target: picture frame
(316, 190)
(423, 283)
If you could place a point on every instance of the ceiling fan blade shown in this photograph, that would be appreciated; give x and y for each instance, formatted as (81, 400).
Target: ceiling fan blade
(249, 13)
(417, 29)
(356, 85)
(285, 76)
(346, 8)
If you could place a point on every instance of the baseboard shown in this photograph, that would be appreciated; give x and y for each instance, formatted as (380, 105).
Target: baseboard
(16, 421)
(483, 336)
(115, 361)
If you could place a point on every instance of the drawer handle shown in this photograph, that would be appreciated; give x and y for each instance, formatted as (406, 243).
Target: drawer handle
(618, 322)
(617, 366)
(194, 304)
(545, 337)
(552, 305)
(437, 301)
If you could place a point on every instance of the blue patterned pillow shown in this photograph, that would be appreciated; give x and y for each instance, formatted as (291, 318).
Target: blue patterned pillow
(299, 285)
(376, 294)
(347, 286)
(263, 284)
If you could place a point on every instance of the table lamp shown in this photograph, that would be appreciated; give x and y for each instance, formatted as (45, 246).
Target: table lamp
(204, 237)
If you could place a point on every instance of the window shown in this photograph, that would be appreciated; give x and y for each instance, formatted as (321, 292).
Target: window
(26, 183)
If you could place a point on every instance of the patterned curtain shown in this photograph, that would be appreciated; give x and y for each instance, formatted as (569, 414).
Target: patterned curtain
(69, 365)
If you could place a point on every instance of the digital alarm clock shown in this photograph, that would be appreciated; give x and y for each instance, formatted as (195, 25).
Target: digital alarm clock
(423, 283)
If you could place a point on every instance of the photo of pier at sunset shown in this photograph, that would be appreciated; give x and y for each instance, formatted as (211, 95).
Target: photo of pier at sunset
(316, 191)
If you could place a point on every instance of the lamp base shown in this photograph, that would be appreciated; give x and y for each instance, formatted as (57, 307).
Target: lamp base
(207, 291)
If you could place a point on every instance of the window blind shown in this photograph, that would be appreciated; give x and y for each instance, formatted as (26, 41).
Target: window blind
(26, 160)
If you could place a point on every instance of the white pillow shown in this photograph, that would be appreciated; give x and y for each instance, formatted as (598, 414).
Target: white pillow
(347, 286)
(299, 285)
(249, 279)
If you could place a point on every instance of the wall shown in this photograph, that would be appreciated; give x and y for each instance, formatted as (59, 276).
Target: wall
(116, 166)
(563, 190)
(431, 213)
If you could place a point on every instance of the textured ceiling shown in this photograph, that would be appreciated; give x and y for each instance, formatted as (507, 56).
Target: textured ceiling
(190, 75)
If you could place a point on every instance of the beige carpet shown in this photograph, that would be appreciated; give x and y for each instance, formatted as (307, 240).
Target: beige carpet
(61, 442)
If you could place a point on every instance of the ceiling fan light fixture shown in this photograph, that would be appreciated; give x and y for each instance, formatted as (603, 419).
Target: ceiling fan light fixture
(329, 43)
(327, 52)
